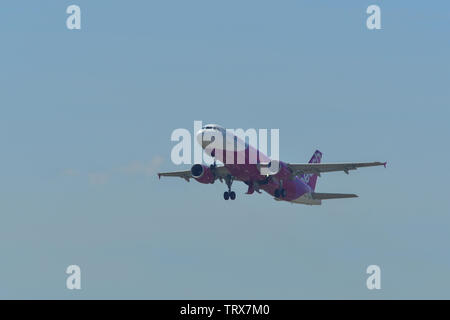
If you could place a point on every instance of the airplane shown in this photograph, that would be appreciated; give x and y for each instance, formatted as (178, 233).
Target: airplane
(291, 182)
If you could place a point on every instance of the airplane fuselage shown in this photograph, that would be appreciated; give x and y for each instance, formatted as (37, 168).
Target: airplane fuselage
(237, 158)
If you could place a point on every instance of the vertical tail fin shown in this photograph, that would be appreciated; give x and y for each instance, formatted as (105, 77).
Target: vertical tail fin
(311, 178)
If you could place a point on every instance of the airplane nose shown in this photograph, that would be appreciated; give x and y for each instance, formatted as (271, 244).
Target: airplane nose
(206, 136)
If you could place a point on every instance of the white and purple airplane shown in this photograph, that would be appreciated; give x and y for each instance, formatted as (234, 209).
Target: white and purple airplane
(292, 182)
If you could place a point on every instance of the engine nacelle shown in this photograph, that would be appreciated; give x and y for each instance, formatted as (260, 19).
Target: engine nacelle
(269, 168)
(202, 173)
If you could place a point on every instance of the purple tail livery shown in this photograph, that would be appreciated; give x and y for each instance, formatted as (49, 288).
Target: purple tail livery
(311, 178)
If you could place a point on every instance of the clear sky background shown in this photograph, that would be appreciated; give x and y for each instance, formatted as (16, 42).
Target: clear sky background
(85, 124)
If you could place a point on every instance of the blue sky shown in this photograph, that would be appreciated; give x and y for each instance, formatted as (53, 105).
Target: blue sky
(86, 119)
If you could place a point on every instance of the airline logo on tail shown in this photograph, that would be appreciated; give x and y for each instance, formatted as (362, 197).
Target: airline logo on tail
(311, 178)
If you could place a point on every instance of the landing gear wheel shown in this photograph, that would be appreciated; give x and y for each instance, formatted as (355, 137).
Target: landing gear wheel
(229, 194)
(277, 193)
(283, 193)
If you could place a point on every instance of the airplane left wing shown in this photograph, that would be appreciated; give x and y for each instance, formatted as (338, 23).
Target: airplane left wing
(317, 168)
(325, 196)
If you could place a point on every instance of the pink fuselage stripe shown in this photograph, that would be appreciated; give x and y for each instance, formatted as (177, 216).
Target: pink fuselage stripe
(247, 170)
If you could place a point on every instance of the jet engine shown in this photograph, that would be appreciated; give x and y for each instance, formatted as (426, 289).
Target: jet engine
(202, 173)
(269, 168)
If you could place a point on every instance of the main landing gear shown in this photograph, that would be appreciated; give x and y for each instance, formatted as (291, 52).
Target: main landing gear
(229, 194)
(280, 192)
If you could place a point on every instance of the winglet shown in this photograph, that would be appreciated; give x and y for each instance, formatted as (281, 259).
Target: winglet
(159, 176)
(384, 164)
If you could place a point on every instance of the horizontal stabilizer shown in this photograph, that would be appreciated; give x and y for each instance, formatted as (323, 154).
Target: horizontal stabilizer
(325, 196)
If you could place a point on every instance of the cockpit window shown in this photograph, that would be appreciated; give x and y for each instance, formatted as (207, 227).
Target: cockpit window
(214, 127)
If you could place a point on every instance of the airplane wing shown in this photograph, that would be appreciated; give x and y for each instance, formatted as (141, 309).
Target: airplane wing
(317, 168)
(186, 175)
(324, 196)
(219, 172)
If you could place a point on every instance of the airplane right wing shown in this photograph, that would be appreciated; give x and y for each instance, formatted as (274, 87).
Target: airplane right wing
(219, 173)
(186, 175)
